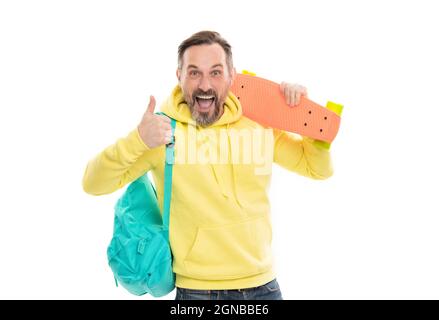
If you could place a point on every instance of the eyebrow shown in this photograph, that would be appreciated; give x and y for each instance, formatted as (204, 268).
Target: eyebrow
(214, 66)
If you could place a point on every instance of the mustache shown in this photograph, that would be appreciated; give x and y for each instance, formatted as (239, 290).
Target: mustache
(199, 92)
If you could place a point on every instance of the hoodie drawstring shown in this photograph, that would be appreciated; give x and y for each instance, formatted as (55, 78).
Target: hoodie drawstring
(219, 177)
(234, 178)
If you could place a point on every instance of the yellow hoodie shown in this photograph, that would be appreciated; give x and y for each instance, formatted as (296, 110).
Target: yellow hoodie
(220, 230)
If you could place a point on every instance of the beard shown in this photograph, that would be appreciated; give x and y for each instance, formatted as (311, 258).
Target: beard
(205, 119)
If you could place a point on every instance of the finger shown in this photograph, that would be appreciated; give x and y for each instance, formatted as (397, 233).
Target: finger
(151, 105)
(164, 118)
(284, 90)
(305, 94)
(282, 86)
(293, 95)
(297, 95)
(287, 94)
(167, 137)
(165, 126)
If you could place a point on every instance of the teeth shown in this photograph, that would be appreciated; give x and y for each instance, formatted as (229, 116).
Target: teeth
(205, 97)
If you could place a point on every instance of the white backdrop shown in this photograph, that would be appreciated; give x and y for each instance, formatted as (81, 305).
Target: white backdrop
(75, 76)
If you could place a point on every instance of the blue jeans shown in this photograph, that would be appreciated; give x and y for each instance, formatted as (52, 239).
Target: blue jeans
(268, 291)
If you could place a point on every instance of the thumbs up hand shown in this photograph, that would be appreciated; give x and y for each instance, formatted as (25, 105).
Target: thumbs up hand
(155, 130)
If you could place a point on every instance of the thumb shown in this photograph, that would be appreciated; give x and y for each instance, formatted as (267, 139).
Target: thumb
(151, 105)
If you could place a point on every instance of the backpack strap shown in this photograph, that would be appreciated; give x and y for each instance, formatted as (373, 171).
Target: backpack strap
(169, 162)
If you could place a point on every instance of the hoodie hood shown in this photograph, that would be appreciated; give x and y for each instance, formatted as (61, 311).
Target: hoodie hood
(177, 108)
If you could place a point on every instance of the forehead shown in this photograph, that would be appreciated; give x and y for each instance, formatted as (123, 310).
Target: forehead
(204, 56)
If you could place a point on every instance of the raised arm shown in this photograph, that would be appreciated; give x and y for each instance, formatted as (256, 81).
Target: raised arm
(131, 156)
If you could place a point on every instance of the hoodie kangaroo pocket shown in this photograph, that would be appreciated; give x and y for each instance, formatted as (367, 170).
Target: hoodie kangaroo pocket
(231, 251)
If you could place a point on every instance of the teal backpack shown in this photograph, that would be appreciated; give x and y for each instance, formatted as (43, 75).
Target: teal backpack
(139, 253)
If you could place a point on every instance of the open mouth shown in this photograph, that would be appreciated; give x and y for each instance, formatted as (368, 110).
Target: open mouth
(205, 102)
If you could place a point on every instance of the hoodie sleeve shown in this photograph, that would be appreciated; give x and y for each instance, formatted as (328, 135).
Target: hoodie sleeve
(301, 155)
(119, 164)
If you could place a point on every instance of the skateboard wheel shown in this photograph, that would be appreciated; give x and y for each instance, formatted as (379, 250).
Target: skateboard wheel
(335, 107)
(249, 73)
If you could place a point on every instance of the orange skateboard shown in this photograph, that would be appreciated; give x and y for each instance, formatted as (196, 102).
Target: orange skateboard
(263, 101)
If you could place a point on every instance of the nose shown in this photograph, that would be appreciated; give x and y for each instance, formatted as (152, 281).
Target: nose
(204, 84)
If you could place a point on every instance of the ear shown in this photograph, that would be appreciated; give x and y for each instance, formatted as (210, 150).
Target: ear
(178, 73)
(232, 76)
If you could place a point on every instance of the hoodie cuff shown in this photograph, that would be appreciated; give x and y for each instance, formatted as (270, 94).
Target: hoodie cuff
(322, 144)
(319, 143)
(137, 141)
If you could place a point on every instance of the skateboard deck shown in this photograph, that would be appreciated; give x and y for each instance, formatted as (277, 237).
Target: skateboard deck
(263, 101)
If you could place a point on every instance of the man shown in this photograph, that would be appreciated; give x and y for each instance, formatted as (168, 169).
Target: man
(220, 231)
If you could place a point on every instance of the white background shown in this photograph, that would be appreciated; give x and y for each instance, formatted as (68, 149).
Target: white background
(75, 76)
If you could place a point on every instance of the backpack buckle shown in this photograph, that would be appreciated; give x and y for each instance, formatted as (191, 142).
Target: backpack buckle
(170, 151)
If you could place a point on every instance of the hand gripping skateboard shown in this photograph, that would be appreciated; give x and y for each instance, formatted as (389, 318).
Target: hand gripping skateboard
(263, 101)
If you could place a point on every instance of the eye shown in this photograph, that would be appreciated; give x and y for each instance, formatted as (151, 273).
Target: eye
(216, 73)
(193, 73)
